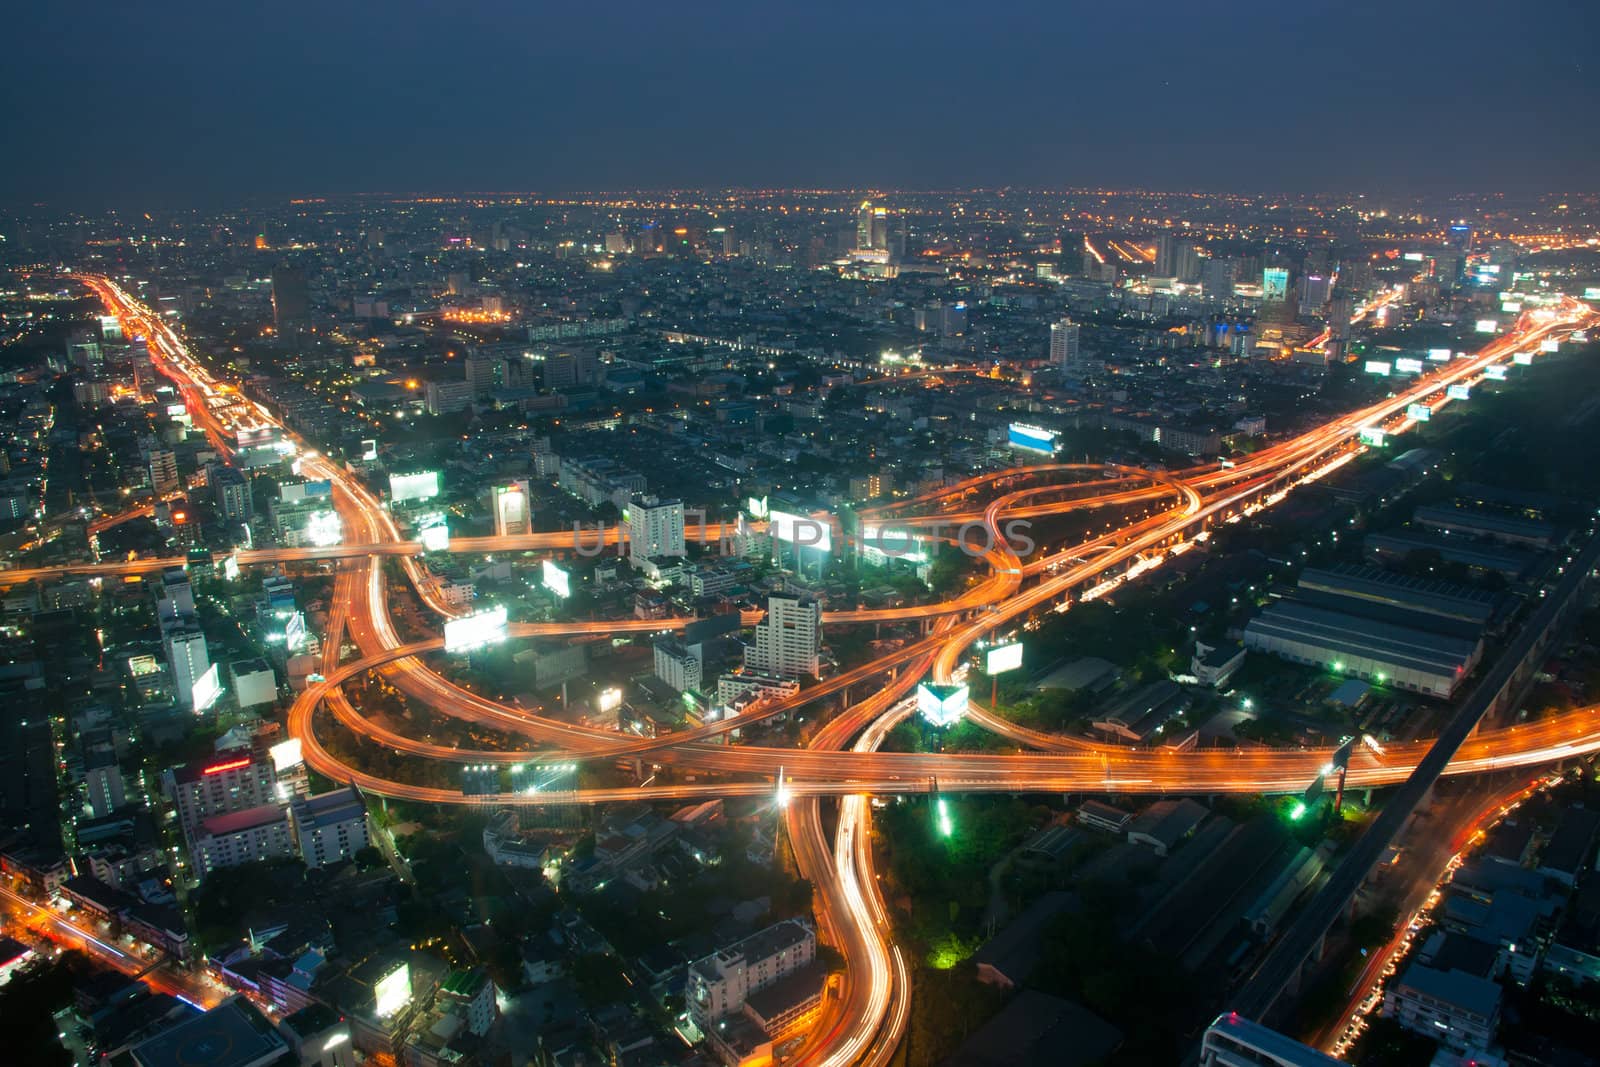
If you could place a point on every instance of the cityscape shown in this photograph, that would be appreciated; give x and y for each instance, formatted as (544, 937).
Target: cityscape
(701, 605)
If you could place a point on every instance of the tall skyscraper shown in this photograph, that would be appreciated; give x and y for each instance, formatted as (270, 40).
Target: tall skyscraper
(1216, 279)
(872, 228)
(1064, 352)
(191, 667)
(291, 297)
(789, 640)
(655, 528)
(164, 472)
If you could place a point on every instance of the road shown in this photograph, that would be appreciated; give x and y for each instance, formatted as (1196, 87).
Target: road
(1164, 512)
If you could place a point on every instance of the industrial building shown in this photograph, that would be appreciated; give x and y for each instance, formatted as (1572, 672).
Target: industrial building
(1434, 664)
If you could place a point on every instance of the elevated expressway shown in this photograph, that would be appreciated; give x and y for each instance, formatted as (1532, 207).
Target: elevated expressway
(865, 1024)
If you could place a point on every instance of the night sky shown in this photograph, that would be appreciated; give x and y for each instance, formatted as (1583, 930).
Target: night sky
(171, 103)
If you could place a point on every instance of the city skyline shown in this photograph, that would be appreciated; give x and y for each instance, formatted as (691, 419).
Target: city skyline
(187, 107)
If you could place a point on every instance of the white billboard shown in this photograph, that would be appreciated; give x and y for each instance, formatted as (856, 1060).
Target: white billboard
(941, 705)
(1378, 366)
(756, 506)
(1372, 435)
(1419, 412)
(1031, 438)
(1522, 359)
(1487, 326)
(422, 485)
(1459, 391)
(1550, 344)
(286, 755)
(1408, 366)
(1495, 372)
(802, 531)
(555, 579)
(369, 449)
(207, 688)
(392, 992)
(478, 630)
(1002, 658)
(1439, 355)
(433, 532)
(323, 529)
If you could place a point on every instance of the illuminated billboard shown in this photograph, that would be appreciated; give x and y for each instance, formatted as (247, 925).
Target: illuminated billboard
(294, 632)
(1032, 438)
(610, 699)
(802, 531)
(1550, 344)
(1495, 372)
(1459, 391)
(756, 506)
(423, 485)
(1419, 412)
(555, 579)
(369, 449)
(941, 705)
(1373, 435)
(257, 437)
(207, 688)
(323, 529)
(392, 992)
(478, 630)
(1439, 355)
(1487, 326)
(433, 532)
(1408, 366)
(1378, 366)
(286, 755)
(1522, 359)
(1275, 285)
(1002, 658)
(1511, 307)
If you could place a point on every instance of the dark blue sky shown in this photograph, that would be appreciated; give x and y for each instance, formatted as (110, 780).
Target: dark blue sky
(171, 102)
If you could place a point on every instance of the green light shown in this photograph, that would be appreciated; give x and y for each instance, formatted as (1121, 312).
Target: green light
(1380, 676)
(942, 809)
(1338, 665)
(1298, 811)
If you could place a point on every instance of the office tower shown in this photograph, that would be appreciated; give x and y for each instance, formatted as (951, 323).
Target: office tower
(164, 472)
(232, 494)
(513, 516)
(655, 528)
(1461, 236)
(291, 297)
(88, 357)
(102, 782)
(789, 640)
(872, 228)
(174, 597)
(194, 682)
(1340, 310)
(1314, 291)
(1186, 263)
(1216, 279)
(1064, 340)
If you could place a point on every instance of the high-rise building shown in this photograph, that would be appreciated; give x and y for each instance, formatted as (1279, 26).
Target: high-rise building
(230, 781)
(1314, 292)
(1216, 279)
(677, 664)
(789, 640)
(164, 472)
(330, 827)
(249, 835)
(291, 297)
(233, 496)
(193, 677)
(720, 984)
(872, 228)
(1064, 345)
(513, 516)
(655, 528)
(102, 782)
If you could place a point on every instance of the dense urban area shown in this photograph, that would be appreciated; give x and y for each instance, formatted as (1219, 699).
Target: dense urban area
(746, 627)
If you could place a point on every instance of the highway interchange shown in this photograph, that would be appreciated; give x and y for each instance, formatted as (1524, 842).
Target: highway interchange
(1165, 515)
